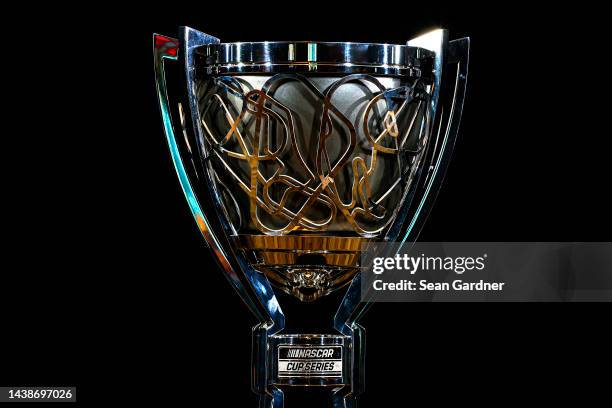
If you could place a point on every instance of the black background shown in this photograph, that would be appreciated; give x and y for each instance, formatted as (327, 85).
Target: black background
(108, 286)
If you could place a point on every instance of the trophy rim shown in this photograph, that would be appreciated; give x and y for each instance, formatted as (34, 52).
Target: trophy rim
(324, 56)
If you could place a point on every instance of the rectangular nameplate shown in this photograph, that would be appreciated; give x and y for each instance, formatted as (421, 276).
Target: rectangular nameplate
(309, 361)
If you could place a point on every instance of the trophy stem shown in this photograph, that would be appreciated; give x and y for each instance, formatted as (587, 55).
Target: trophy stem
(273, 400)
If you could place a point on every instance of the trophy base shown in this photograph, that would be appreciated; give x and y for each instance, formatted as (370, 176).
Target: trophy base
(310, 360)
(305, 266)
(329, 366)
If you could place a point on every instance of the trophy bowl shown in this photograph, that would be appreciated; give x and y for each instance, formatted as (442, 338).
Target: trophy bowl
(294, 157)
(312, 147)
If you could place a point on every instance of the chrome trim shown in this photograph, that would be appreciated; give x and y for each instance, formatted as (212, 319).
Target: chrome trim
(347, 57)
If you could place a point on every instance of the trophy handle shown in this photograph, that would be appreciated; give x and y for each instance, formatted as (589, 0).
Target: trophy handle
(253, 287)
(167, 48)
(423, 195)
(451, 52)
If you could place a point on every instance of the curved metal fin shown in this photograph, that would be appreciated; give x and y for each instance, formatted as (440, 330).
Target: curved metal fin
(457, 52)
(167, 48)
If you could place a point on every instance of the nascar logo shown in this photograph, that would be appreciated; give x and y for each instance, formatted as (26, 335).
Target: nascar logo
(310, 353)
(309, 361)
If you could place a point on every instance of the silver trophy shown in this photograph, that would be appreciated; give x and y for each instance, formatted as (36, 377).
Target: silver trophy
(294, 157)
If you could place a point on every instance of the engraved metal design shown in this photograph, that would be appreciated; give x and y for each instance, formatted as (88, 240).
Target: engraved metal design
(324, 181)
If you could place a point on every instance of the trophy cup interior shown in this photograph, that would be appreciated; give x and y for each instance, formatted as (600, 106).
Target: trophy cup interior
(312, 148)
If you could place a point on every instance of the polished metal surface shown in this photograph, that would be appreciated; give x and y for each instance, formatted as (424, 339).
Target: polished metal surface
(300, 56)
